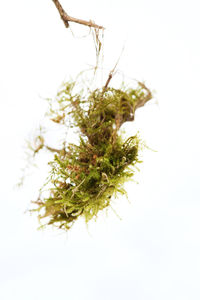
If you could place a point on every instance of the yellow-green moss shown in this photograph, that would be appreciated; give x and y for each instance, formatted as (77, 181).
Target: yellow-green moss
(85, 176)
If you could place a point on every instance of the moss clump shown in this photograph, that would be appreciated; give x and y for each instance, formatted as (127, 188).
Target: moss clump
(85, 176)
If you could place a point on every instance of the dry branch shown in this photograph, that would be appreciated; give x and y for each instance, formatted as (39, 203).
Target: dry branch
(146, 98)
(66, 18)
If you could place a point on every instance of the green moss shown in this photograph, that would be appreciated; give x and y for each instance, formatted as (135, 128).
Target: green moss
(85, 176)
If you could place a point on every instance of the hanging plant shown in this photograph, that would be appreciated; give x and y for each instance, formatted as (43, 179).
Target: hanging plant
(85, 176)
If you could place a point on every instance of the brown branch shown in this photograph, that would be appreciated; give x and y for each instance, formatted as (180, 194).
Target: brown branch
(146, 98)
(109, 78)
(66, 18)
(53, 149)
(62, 13)
(112, 72)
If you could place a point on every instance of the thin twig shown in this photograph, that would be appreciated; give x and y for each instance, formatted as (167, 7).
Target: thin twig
(66, 18)
(112, 71)
(108, 80)
(110, 76)
(53, 149)
(59, 151)
(145, 98)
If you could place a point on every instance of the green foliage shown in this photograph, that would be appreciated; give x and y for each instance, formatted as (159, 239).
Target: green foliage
(85, 176)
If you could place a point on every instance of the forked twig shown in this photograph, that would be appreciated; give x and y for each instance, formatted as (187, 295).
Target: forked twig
(66, 18)
(146, 98)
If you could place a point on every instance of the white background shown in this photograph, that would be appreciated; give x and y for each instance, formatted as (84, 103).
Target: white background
(153, 252)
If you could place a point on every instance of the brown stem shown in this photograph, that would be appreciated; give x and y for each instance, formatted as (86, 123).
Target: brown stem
(108, 80)
(112, 72)
(146, 98)
(52, 149)
(66, 18)
(62, 13)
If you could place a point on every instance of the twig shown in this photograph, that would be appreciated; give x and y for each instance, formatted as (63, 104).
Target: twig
(110, 76)
(53, 149)
(66, 18)
(108, 80)
(145, 98)
(112, 71)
